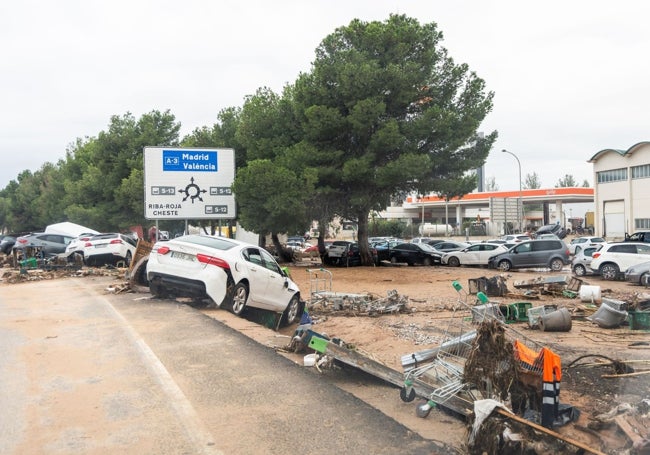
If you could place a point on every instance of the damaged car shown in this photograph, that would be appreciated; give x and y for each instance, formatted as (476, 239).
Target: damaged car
(235, 275)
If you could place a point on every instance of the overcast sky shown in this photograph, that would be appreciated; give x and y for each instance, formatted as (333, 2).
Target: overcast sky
(570, 77)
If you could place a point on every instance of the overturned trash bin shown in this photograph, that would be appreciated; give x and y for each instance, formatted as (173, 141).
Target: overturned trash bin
(610, 314)
(556, 321)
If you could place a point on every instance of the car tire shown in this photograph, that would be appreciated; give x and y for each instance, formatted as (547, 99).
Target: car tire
(427, 262)
(579, 270)
(556, 265)
(157, 289)
(505, 265)
(393, 260)
(128, 258)
(239, 299)
(293, 311)
(643, 278)
(609, 271)
(453, 262)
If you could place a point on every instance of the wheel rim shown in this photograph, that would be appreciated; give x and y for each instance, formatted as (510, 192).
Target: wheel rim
(556, 265)
(504, 265)
(454, 262)
(580, 270)
(608, 272)
(128, 258)
(292, 310)
(393, 260)
(427, 261)
(239, 299)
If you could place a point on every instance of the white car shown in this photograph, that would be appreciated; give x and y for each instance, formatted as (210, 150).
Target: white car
(613, 259)
(580, 243)
(477, 254)
(77, 244)
(233, 274)
(109, 248)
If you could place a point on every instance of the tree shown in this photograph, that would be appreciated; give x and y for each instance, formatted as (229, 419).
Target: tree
(532, 182)
(566, 181)
(491, 184)
(585, 183)
(388, 112)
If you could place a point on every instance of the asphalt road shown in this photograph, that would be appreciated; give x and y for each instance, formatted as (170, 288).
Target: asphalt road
(83, 371)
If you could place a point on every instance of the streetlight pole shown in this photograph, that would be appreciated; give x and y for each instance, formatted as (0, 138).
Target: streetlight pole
(521, 201)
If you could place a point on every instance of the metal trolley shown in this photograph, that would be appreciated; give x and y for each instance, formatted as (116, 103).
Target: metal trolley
(443, 367)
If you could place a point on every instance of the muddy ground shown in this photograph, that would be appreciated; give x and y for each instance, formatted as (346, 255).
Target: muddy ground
(586, 350)
(428, 304)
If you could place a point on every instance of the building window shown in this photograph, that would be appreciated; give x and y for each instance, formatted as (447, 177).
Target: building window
(615, 175)
(641, 223)
(641, 172)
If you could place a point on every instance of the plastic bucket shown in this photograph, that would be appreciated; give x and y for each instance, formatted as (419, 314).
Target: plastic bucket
(556, 321)
(310, 360)
(590, 294)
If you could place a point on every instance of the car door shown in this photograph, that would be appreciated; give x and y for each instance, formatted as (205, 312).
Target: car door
(277, 296)
(258, 277)
(471, 255)
(522, 255)
(485, 252)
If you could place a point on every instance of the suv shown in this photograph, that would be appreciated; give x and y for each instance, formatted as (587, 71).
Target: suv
(639, 236)
(109, 248)
(553, 254)
(613, 259)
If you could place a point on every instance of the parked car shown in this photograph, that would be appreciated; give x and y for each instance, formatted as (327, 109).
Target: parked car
(109, 248)
(515, 238)
(312, 251)
(553, 254)
(546, 236)
(383, 248)
(477, 254)
(8, 242)
(580, 265)
(638, 274)
(46, 243)
(414, 253)
(613, 259)
(76, 245)
(427, 240)
(448, 246)
(352, 255)
(336, 251)
(556, 229)
(579, 243)
(639, 236)
(234, 274)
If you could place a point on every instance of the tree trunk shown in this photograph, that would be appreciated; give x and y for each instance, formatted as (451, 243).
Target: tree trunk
(284, 254)
(362, 238)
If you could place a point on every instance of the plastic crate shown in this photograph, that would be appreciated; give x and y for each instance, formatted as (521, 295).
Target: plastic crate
(639, 320)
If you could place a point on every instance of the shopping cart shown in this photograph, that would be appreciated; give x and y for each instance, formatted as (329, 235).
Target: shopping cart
(459, 367)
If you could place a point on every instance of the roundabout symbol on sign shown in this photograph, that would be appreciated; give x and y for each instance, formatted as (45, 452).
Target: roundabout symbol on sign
(192, 191)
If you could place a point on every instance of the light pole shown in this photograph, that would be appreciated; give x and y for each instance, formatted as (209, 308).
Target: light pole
(521, 201)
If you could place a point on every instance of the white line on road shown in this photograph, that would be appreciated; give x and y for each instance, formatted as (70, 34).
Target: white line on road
(192, 423)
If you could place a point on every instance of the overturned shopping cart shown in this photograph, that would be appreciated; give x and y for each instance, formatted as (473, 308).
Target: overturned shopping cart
(324, 300)
(480, 356)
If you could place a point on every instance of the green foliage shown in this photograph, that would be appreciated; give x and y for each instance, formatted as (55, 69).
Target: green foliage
(566, 181)
(387, 228)
(532, 182)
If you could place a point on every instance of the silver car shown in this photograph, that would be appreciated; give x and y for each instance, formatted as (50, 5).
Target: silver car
(639, 274)
(582, 260)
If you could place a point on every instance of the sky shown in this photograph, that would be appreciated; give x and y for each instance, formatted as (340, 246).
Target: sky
(569, 78)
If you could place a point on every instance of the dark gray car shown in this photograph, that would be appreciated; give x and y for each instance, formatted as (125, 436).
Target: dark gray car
(553, 254)
(45, 242)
